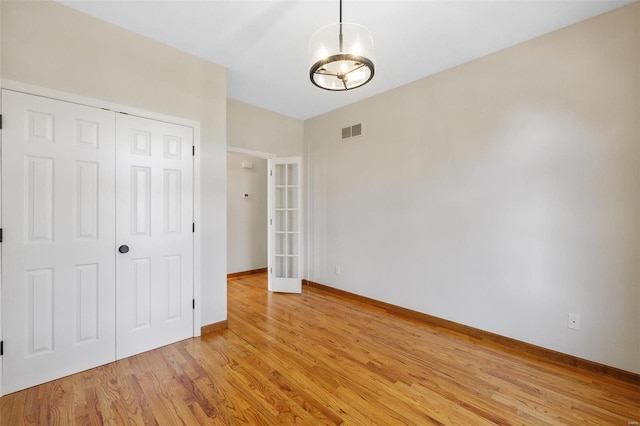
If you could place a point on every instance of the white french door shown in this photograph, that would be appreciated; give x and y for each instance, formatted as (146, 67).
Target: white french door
(285, 225)
(58, 265)
(77, 184)
(154, 184)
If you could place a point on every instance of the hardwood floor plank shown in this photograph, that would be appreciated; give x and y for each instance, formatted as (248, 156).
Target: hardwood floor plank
(18, 407)
(321, 359)
(145, 408)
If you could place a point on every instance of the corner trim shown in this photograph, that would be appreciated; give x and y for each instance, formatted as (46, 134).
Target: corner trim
(521, 348)
(212, 328)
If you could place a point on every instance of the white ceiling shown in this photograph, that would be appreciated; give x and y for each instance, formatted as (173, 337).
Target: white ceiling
(263, 44)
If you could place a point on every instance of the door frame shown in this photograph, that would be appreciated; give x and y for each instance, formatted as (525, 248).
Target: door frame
(97, 103)
(251, 153)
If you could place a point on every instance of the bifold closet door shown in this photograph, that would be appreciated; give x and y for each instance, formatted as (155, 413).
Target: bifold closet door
(73, 297)
(154, 264)
(58, 262)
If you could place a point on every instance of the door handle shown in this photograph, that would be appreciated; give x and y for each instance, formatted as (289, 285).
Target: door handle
(123, 249)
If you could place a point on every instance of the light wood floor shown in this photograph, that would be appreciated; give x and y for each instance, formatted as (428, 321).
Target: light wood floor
(319, 359)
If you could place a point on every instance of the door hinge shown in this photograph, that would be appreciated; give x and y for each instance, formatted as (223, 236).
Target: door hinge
(194, 303)
(0, 121)
(270, 172)
(270, 221)
(193, 227)
(193, 150)
(271, 270)
(0, 235)
(1, 347)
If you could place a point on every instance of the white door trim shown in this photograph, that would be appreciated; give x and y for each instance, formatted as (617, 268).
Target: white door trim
(31, 89)
(251, 152)
(97, 103)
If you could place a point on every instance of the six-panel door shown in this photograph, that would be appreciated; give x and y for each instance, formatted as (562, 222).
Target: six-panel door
(63, 278)
(58, 266)
(154, 220)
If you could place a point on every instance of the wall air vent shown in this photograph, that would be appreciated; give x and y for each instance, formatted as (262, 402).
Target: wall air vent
(352, 131)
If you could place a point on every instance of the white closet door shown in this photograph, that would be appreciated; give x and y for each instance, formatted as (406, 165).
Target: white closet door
(154, 181)
(58, 286)
(285, 225)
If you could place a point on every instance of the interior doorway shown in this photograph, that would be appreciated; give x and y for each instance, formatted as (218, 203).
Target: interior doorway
(247, 211)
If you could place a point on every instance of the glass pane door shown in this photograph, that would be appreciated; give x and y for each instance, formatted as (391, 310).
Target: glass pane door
(284, 268)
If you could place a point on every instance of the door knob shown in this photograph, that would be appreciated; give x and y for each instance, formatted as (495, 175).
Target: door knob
(123, 248)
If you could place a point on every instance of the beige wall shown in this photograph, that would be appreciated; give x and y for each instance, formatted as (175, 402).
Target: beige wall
(502, 194)
(50, 45)
(246, 217)
(257, 129)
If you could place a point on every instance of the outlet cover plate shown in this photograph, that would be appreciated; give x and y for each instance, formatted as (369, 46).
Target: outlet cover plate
(574, 322)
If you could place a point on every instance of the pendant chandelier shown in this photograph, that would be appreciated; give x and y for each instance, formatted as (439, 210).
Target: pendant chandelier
(341, 56)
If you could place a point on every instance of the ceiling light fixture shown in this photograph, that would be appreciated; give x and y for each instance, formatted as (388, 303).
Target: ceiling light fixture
(344, 62)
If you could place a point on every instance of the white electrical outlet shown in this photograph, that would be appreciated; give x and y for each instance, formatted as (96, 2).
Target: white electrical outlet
(574, 322)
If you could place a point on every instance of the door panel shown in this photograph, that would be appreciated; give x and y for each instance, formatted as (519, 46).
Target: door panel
(58, 265)
(154, 197)
(285, 225)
